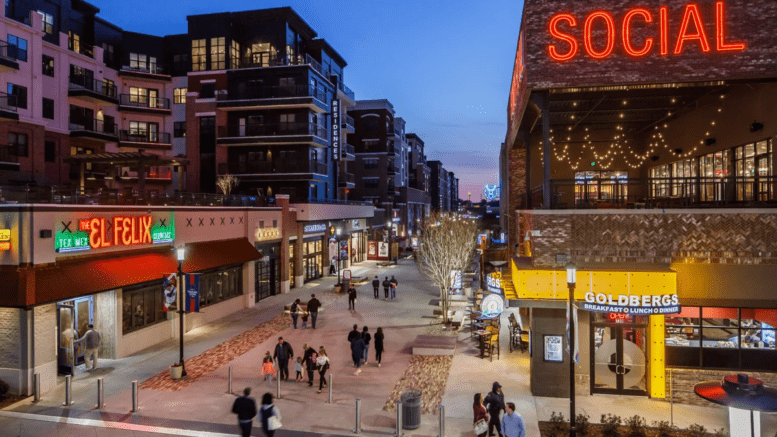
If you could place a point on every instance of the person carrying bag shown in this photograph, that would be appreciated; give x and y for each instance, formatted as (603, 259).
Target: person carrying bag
(271, 417)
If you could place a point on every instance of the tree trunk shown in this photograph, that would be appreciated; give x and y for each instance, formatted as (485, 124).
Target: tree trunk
(444, 300)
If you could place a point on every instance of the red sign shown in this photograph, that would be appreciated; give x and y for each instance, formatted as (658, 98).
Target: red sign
(619, 317)
(692, 33)
(5, 245)
(126, 231)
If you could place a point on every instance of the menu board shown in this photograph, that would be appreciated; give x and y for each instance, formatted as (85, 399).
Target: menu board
(553, 349)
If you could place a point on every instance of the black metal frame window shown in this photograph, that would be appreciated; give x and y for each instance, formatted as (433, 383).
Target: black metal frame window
(179, 129)
(721, 338)
(234, 54)
(48, 65)
(142, 307)
(47, 24)
(20, 92)
(49, 151)
(220, 285)
(753, 167)
(19, 45)
(18, 144)
(73, 41)
(218, 53)
(268, 271)
(179, 95)
(312, 256)
(199, 55)
(48, 108)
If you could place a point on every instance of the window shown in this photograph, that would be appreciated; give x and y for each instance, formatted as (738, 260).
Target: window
(179, 129)
(370, 182)
(218, 54)
(17, 144)
(108, 53)
(234, 54)
(142, 307)
(198, 55)
(48, 23)
(179, 95)
(48, 65)
(9, 8)
(208, 90)
(50, 151)
(73, 41)
(138, 61)
(17, 47)
(601, 185)
(139, 95)
(263, 54)
(48, 108)
(20, 93)
(370, 164)
(753, 169)
(219, 286)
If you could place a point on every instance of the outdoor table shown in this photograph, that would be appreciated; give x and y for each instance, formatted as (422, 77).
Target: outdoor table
(482, 333)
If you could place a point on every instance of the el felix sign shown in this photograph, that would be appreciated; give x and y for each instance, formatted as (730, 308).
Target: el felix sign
(104, 232)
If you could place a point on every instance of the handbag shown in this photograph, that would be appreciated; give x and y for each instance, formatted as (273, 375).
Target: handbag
(481, 427)
(273, 422)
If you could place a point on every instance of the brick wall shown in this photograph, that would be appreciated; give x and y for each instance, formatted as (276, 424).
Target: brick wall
(45, 322)
(10, 337)
(683, 381)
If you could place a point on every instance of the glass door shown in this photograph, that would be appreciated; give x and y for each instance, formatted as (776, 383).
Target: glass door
(618, 360)
(67, 334)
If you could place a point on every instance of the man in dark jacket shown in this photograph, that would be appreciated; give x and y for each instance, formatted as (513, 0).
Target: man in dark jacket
(386, 285)
(352, 298)
(376, 286)
(283, 353)
(357, 353)
(353, 334)
(394, 283)
(313, 306)
(495, 402)
(245, 408)
(309, 362)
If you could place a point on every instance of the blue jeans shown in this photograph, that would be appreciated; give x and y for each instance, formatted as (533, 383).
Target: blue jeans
(294, 319)
(314, 316)
(366, 352)
(393, 292)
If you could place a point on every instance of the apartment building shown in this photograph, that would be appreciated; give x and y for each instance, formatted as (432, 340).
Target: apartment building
(440, 187)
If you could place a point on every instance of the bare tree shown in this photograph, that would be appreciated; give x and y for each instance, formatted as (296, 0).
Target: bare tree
(447, 243)
(227, 183)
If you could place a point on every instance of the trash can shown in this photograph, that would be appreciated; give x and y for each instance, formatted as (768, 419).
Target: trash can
(411, 409)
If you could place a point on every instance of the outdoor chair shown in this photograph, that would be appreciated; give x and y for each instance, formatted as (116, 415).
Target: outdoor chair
(493, 343)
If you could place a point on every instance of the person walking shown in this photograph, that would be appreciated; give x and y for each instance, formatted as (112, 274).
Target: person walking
(512, 422)
(268, 371)
(366, 337)
(394, 283)
(245, 408)
(481, 416)
(376, 286)
(333, 266)
(357, 353)
(313, 306)
(352, 298)
(309, 362)
(323, 365)
(92, 341)
(386, 286)
(354, 333)
(495, 402)
(304, 319)
(283, 353)
(295, 312)
(379, 345)
(271, 417)
(298, 369)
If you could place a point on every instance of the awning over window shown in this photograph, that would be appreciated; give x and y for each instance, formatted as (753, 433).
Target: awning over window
(212, 254)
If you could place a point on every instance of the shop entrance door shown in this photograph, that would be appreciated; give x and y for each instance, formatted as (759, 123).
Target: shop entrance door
(618, 359)
(73, 319)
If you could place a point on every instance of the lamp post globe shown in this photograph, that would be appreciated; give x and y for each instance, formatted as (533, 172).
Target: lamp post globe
(571, 279)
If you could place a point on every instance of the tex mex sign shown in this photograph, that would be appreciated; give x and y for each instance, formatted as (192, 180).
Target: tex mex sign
(118, 231)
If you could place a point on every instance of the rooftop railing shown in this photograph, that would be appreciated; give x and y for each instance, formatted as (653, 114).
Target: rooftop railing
(263, 60)
(150, 69)
(93, 125)
(274, 92)
(144, 137)
(347, 91)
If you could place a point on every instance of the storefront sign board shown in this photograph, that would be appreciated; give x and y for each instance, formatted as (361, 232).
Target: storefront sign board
(494, 282)
(118, 231)
(5, 239)
(492, 305)
(192, 292)
(631, 304)
(553, 351)
(314, 228)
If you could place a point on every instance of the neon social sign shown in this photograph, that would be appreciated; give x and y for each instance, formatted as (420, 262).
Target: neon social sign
(119, 231)
(692, 30)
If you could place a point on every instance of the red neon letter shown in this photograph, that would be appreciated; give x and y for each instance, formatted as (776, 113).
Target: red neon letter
(94, 238)
(721, 32)
(126, 238)
(692, 13)
(134, 227)
(663, 19)
(588, 34)
(627, 32)
(117, 221)
(147, 229)
(105, 242)
(569, 39)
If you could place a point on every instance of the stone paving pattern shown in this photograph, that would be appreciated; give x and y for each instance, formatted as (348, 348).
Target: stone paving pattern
(429, 374)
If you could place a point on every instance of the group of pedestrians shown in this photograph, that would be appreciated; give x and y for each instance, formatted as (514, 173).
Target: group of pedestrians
(245, 408)
(487, 410)
(360, 346)
(310, 309)
(388, 285)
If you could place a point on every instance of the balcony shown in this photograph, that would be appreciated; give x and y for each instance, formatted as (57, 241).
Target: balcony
(393, 133)
(8, 107)
(94, 130)
(9, 158)
(347, 91)
(146, 104)
(273, 133)
(348, 124)
(83, 49)
(146, 140)
(92, 90)
(260, 61)
(347, 180)
(273, 97)
(279, 168)
(660, 193)
(348, 153)
(8, 57)
(151, 71)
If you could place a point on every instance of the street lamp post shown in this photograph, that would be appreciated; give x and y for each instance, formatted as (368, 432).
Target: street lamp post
(391, 241)
(180, 252)
(571, 278)
(337, 251)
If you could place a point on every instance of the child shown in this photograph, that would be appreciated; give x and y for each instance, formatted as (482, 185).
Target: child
(267, 367)
(305, 319)
(298, 368)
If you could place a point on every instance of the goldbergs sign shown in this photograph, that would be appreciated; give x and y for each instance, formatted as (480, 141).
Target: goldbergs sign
(631, 304)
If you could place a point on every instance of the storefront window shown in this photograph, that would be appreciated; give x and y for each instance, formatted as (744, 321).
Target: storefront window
(753, 169)
(601, 185)
(312, 259)
(142, 307)
(268, 272)
(220, 285)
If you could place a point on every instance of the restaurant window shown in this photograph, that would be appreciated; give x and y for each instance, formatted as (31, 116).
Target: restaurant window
(17, 144)
(17, 47)
(753, 171)
(48, 108)
(312, 258)
(48, 65)
(199, 51)
(179, 129)
(179, 95)
(50, 151)
(713, 168)
(220, 285)
(722, 338)
(47, 24)
(218, 55)
(601, 185)
(142, 307)
(20, 94)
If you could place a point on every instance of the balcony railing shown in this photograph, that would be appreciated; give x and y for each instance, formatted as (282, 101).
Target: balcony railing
(144, 137)
(349, 121)
(140, 101)
(272, 129)
(94, 85)
(9, 52)
(691, 192)
(348, 177)
(84, 49)
(150, 69)
(9, 154)
(94, 125)
(264, 167)
(347, 148)
(275, 92)
(261, 60)
(7, 102)
(347, 91)
(337, 202)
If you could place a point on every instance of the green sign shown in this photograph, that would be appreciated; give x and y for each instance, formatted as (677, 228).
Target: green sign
(71, 241)
(163, 234)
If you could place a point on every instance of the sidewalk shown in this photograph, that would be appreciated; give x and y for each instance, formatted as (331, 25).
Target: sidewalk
(205, 405)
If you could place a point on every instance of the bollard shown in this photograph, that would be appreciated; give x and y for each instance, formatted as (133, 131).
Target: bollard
(36, 387)
(278, 378)
(134, 396)
(100, 394)
(330, 388)
(671, 400)
(442, 421)
(68, 391)
(358, 428)
(229, 384)
(398, 432)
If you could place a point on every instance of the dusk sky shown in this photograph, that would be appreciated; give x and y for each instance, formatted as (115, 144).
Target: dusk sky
(444, 65)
